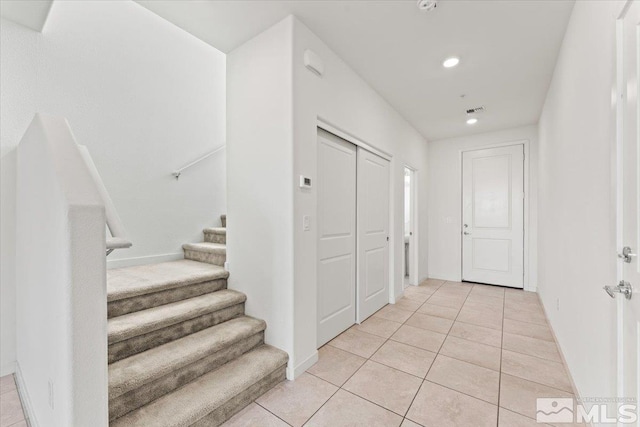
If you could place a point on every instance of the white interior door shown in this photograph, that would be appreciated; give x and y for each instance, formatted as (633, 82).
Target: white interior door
(629, 203)
(373, 233)
(336, 235)
(493, 216)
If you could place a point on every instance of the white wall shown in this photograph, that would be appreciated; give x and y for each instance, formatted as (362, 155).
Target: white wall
(271, 258)
(145, 98)
(341, 98)
(260, 157)
(445, 200)
(17, 105)
(577, 219)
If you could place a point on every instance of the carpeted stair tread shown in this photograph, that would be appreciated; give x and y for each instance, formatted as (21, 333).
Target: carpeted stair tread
(134, 324)
(215, 230)
(212, 248)
(129, 282)
(194, 401)
(140, 369)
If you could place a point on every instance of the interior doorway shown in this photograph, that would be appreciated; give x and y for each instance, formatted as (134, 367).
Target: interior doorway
(409, 253)
(493, 216)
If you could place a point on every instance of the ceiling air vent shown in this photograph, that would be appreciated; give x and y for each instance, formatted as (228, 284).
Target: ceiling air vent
(475, 110)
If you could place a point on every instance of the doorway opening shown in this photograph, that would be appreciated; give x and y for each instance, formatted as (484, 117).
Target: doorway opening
(409, 252)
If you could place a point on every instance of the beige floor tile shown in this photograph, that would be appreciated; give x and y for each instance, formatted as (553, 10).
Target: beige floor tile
(452, 291)
(407, 304)
(413, 295)
(393, 313)
(432, 323)
(525, 316)
(254, 416)
(10, 409)
(335, 365)
(7, 384)
(446, 301)
(531, 346)
(388, 387)
(472, 352)
(521, 295)
(347, 410)
(356, 342)
(476, 381)
(519, 395)
(408, 423)
(439, 311)
(432, 282)
(378, 326)
(494, 291)
(22, 423)
(477, 333)
(296, 401)
(532, 330)
(437, 406)
(529, 305)
(486, 318)
(507, 418)
(490, 304)
(411, 360)
(421, 338)
(532, 368)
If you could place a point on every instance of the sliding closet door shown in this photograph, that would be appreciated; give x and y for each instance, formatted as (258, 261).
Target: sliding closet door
(336, 236)
(373, 233)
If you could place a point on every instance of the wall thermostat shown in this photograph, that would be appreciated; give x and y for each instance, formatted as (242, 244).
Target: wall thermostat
(305, 182)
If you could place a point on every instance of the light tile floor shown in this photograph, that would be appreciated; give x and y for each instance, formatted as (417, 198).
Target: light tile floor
(11, 414)
(447, 354)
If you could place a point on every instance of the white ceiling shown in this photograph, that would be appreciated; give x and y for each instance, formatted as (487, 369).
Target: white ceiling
(30, 13)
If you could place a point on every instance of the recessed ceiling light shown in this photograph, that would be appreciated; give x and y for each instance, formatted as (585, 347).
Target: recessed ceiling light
(472, 121)
(451, 62)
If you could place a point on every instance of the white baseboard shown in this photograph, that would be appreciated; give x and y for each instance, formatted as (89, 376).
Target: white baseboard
(7, 368)
(143, 260)
(27, 406)
(293, 373)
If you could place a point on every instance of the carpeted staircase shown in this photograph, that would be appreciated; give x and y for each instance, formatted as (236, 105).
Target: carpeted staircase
(181, 350)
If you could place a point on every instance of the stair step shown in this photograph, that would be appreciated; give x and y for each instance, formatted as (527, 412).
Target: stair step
(137, 288)
(136, 332)
(144, 377)
(216, 396)
(212, 253)
(215, 235)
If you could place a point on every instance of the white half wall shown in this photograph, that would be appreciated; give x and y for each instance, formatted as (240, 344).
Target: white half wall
(445, 200)
(577, 248)
(145, 98)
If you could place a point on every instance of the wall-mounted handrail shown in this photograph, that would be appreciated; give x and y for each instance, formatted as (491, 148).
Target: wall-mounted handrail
(118, 239)
(178, 172)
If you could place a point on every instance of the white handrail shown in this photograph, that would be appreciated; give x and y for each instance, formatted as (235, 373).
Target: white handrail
(118, 233)
(178, 172)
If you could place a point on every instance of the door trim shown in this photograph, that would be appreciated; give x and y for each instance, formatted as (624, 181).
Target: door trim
(528, 285)
(414, 246)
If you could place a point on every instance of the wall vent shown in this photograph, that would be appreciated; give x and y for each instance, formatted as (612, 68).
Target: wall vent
(475, 110)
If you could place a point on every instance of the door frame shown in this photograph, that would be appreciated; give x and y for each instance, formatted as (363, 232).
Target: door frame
(327, 126)
(529, 266)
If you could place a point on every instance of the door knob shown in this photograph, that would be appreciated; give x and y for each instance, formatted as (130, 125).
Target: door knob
(626, 255)
(623, 288)
(466, 233)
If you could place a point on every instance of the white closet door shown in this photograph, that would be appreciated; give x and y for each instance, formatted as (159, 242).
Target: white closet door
(373, 233)
(493, 216)
(336, 236)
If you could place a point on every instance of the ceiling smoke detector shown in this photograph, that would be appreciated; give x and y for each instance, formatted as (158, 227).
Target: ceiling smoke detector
(427, 5)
